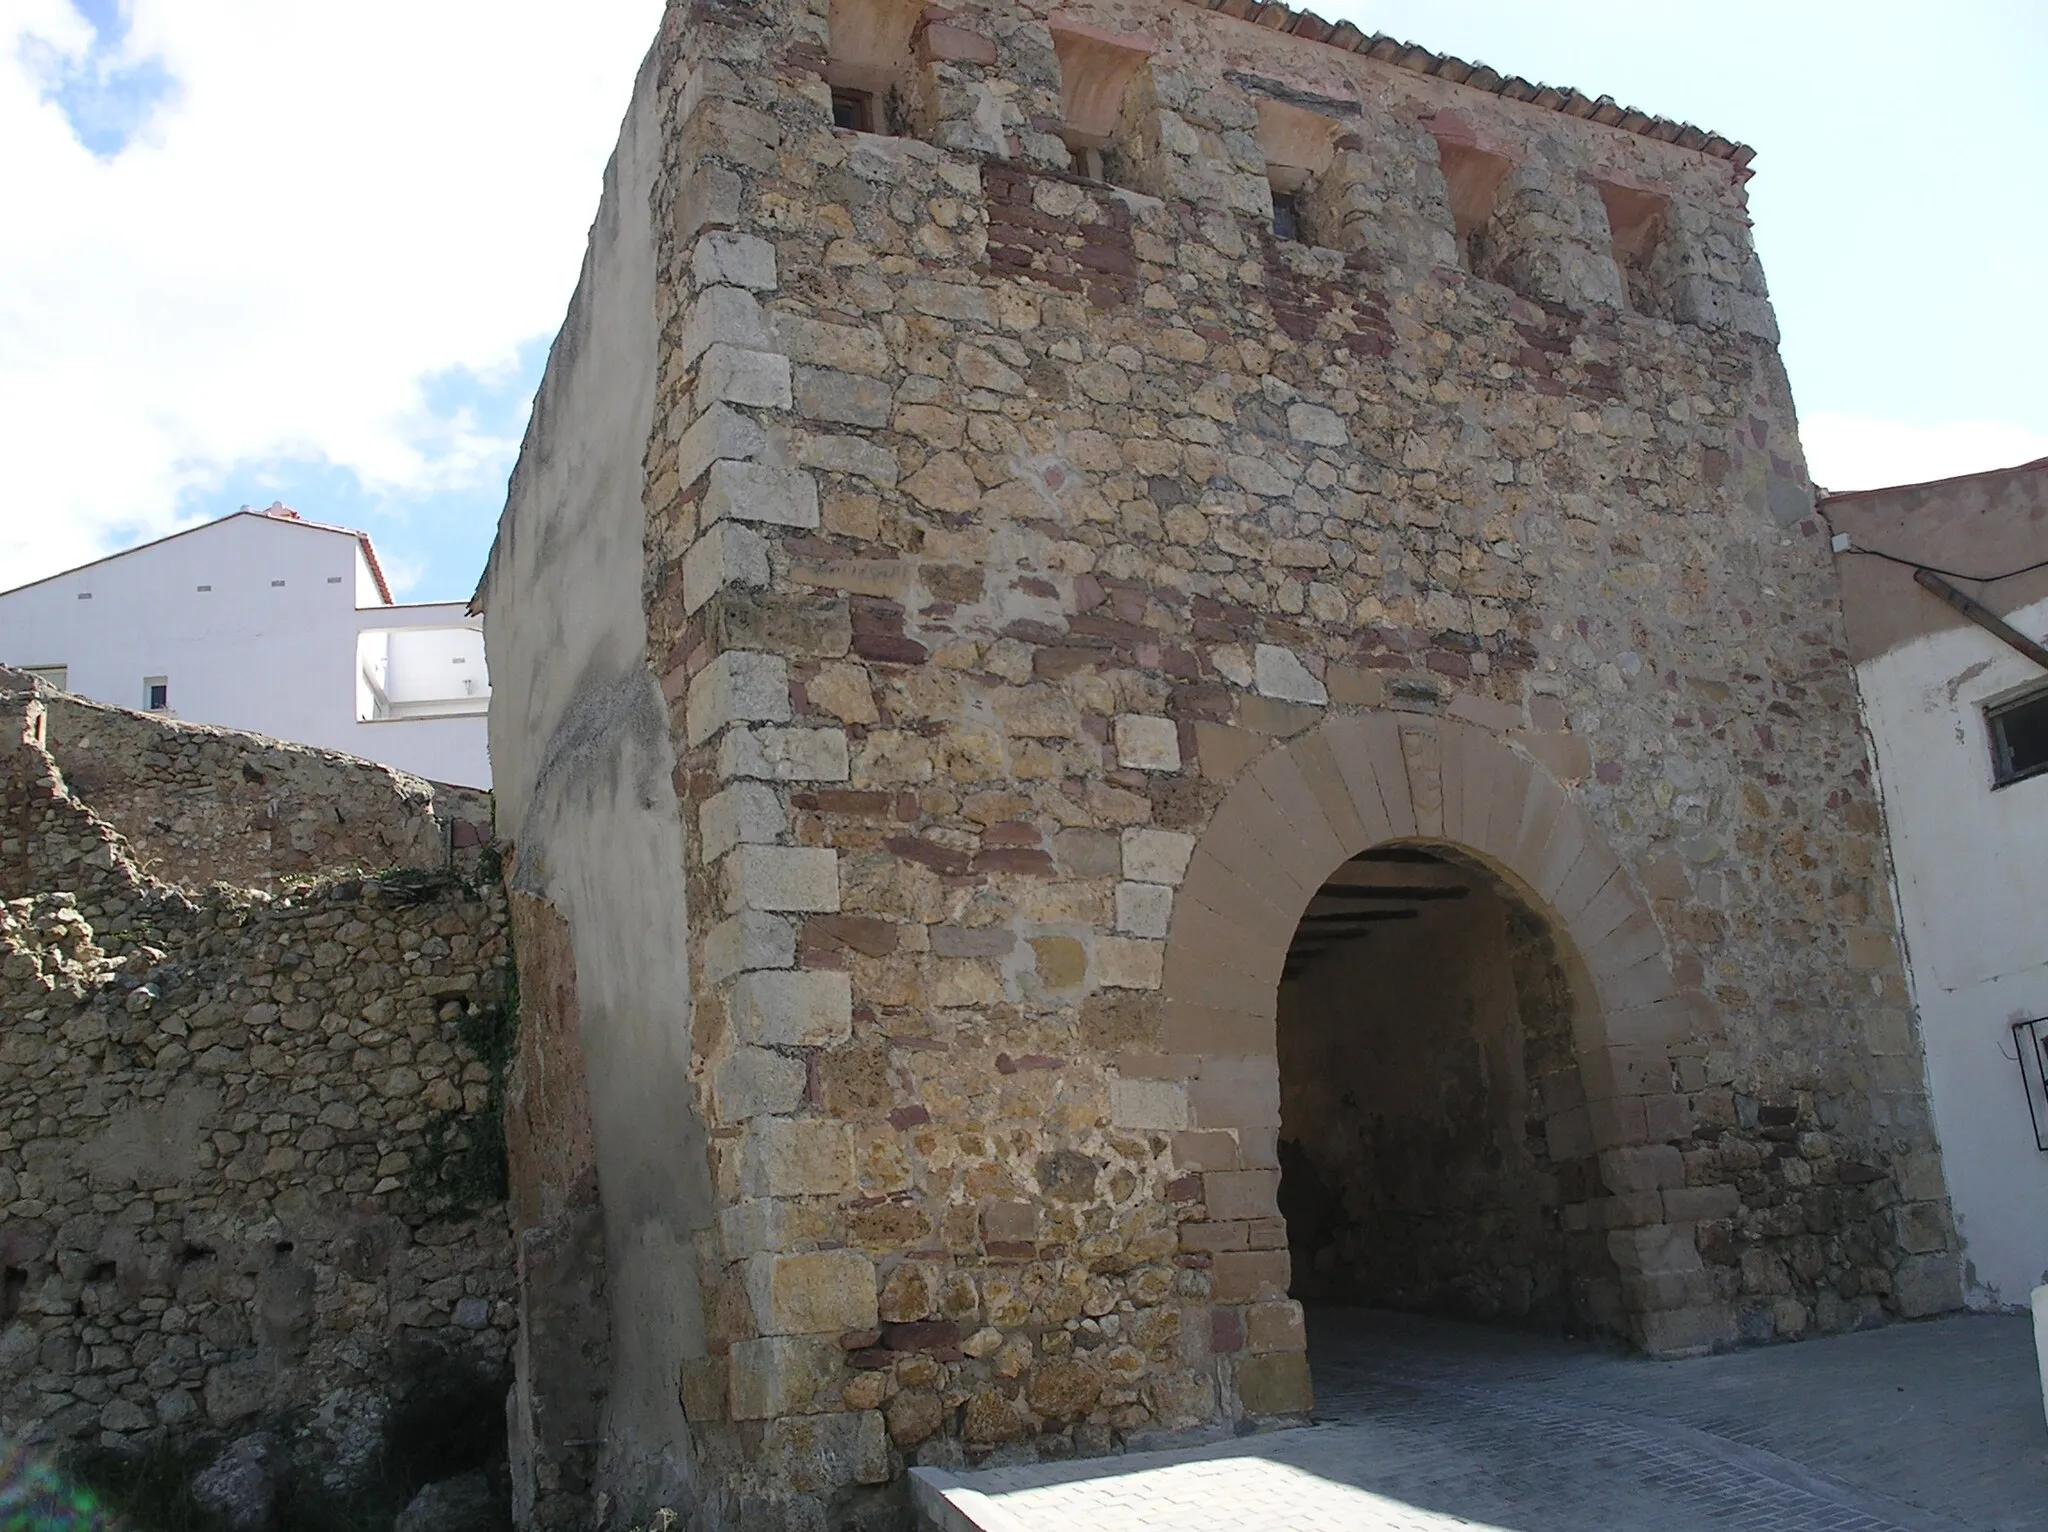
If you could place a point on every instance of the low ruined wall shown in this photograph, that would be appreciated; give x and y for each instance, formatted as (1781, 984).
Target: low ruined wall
(197, 804)
(251, 1171)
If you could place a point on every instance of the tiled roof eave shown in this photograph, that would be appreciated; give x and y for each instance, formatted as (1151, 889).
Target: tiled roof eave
(1418, 60)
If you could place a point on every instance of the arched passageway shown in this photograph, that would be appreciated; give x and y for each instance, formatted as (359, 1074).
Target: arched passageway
(1478, 1117)
(1432, 1116)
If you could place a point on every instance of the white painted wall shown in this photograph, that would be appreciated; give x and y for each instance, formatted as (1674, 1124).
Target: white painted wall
(270, 645)
(1972, 869)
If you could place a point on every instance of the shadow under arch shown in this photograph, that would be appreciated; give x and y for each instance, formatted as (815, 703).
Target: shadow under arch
(1360, 781)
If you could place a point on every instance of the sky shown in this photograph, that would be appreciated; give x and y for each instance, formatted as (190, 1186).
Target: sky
(257, 250)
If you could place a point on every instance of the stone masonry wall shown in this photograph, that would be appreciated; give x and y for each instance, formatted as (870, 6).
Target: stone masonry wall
(249, 1177)
(1000, 521)
(197, 804)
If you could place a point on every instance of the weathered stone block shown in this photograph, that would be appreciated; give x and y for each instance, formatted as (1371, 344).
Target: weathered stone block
(1243, 1276)
(730, 375)
(727, 259)
(784, 1375)
(1144, 909)
(826, 1291)
(755, 1082)
(1123, 962)
(745, 812)
(1275, 1384)
(730, 316)
(843, 398)
(1148, 744)
(737, 687)
(784, 755)
(750, 939)
(1156, 856)
(1158, 1104)
(797, 1157)
(786, 497)
(720, 432)
(793, 1008)
(1275, 1327)
(802, 878)
(722, 555)
(820, 1453)
(1278, 672)
(1242, 1193)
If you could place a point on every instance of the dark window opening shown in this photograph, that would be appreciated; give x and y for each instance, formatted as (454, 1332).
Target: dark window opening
(1287, 223)
(2019, 739)
(1085, 160)
(157, 695)
(853, 110)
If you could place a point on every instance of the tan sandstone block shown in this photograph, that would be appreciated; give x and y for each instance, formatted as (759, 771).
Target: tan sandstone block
(784, 1375)
(1275, 1384)
(822, 1292)
(1123, 962)
(793, 1007)
(797, 1157)
(1245, 1276)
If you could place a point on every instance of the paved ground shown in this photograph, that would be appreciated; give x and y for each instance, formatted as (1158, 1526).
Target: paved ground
(1425, 1426)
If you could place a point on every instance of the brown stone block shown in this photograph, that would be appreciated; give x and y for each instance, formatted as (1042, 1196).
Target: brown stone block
(1422, 761)
(1205, 1151)
(1313, 847)
(1191, 1027)
(1249, 839)
(1275, 1327)
(1700, 1204)
(1158, 1066)
(1596, 866)
(1226, 1331)
(1355, 686)
(1311, 757)
(1667, 1119)
(1236, 1092)
(1634, 939)
(1367, 751)
(1277, 1384)
(1266, 1233)
(1616, 1121)
(1121, 1020)
(1619, 1071)
(1567, 757)
(1242, 1194)
(1208, 1238)
(1221, 752)
(1272, 717)
(1251, 937)
(1647, 983)
(1642, 1168)
(1242, 1276)
(1608, 910)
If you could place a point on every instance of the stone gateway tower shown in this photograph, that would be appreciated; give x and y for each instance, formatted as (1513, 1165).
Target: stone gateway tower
(1151, 660)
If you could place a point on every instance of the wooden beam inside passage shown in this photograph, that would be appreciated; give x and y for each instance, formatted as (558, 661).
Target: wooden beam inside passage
(1982, 616)
(1355, 917)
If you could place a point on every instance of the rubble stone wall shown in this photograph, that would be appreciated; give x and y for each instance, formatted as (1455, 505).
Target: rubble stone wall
(197, 804)
(250, 1175)
(1047, 583)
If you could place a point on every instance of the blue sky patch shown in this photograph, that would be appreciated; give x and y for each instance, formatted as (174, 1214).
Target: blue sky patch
(103, 95)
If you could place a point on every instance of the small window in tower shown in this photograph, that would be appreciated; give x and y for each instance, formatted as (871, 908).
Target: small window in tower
(1085, 160)
(853, 110)
(156, 693)
(204, 588)
(2019, 738)
(1287, 216)
(275, 583)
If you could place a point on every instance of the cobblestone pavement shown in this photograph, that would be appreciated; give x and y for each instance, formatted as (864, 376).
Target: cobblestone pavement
(1427, 1425)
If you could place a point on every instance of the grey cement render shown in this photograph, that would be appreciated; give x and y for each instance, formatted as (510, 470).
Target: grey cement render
(580, 735)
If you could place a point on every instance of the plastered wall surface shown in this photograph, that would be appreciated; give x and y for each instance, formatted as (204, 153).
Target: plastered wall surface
(1972, 867)
(999, 598)
(247, 1138)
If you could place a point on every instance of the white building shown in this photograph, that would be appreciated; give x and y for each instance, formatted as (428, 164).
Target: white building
(262, 621)
(1959, 719)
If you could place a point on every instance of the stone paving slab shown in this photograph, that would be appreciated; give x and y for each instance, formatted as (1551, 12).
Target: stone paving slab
(1425, 1425)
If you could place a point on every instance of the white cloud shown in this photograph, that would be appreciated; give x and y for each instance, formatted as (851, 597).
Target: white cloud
(1858, 452)
(331, 207)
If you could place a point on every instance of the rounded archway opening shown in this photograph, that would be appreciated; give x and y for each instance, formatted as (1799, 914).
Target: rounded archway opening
(1435, 1149)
